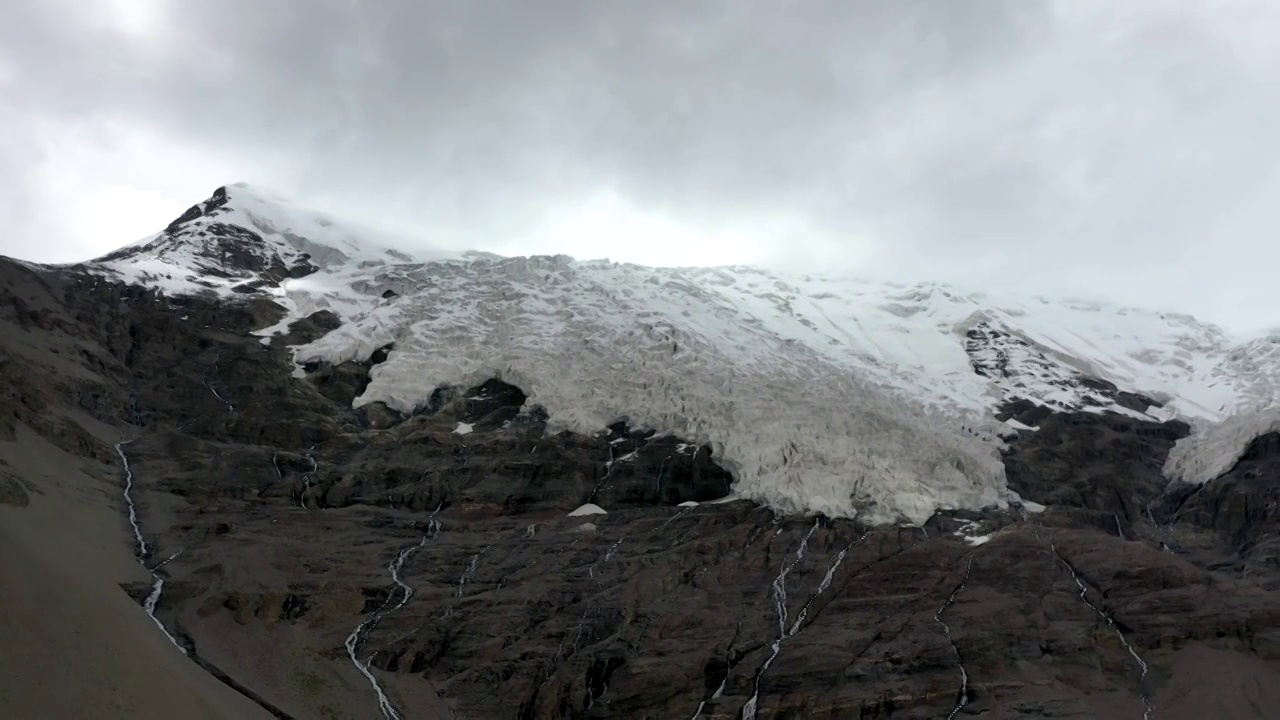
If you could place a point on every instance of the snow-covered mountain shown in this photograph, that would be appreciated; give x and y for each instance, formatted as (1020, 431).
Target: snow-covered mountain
(824, 394)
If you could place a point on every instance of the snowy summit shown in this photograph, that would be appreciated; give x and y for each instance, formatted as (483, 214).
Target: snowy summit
(821, 394)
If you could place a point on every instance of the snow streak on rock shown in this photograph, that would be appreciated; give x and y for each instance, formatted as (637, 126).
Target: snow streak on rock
(613, 549)
(352, 645)
(678, 514)
(1137, 659)
(826, 583)
(779, 593)
(153, 599)
(608, 473)
(394, 568)
(714, 696)
(963, 697)
(143, 552)
(167, 560)
(405, 592)
(724, 682)
(577, 631)
(470, 571)
(209, 383)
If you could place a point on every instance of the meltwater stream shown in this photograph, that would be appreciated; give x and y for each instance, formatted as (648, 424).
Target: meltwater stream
(142, 552)
(962, 697)
(608, 473)
(209, 383)
(825, 584)
(779, 592)
(1137, 659)
(405, 593)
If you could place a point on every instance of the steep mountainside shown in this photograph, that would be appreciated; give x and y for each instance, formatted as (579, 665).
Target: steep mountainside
(359, 482)
(755, 364)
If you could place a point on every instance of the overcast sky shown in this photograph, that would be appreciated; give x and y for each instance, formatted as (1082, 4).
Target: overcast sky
(1118, 150)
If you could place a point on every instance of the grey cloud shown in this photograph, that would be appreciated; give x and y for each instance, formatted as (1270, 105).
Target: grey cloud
(1122, 152)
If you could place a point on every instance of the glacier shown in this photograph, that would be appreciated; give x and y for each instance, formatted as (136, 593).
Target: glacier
(1216, 449)
(822, 394)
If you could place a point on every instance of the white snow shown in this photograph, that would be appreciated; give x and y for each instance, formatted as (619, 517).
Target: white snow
(731, 497)
(966, 531)
(1027, 505)
(688, 504)
(588, 509)
(821, 394)
(463, 429)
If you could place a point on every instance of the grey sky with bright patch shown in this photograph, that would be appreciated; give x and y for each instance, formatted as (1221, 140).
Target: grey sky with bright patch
(1121, 151)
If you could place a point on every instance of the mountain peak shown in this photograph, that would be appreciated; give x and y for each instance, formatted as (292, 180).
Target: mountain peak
(225, 242)
(244, 238)
(216, 201)
(234, 195)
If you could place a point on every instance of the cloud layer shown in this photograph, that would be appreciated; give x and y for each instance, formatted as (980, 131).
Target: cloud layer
(1121, 151)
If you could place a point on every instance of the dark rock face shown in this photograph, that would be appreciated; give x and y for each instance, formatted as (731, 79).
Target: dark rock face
(1238, 514)
(647, 470)
(1104, 465)
(344, 382)
(1243, 506)
(309, 329)
(445, 536)
(377, 416)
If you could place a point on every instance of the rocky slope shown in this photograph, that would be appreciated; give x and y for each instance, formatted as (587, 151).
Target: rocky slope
(327, 557)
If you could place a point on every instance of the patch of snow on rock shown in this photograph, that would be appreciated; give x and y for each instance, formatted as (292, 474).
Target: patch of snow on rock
(463, 429)
(589, 509)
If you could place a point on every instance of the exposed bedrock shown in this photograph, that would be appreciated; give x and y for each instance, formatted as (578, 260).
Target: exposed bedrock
(1104, 464)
